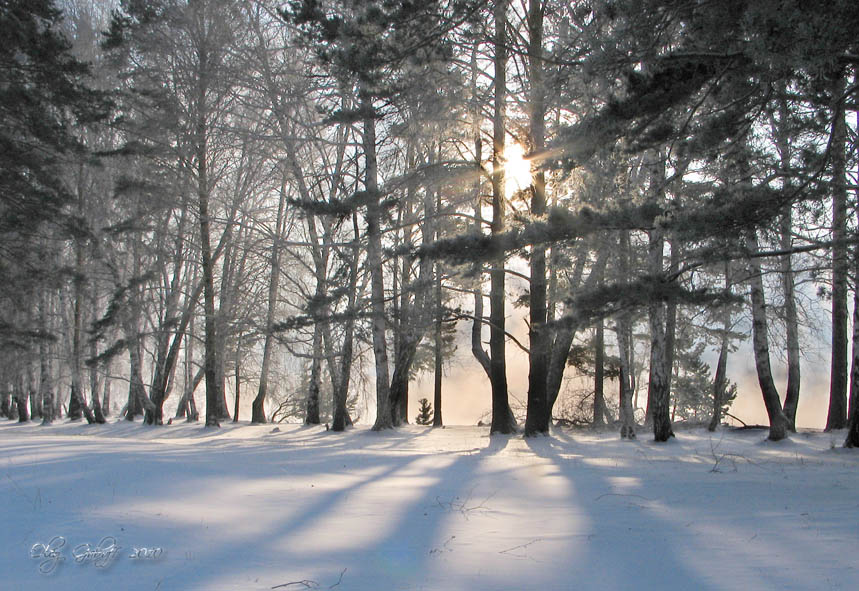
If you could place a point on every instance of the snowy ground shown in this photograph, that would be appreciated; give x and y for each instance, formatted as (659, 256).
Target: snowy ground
(246, 508)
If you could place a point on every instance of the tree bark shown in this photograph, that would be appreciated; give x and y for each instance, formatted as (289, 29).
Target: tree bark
(438, 370)
(658, 388)
(781, 132)
(760, 341)
(374, 261)
(214, 396)
(720, 379)
(46, 390)
(852, 439)
(311, 407)
(538, 410)
(599, 374)
(502, 417)
(837, 415)
(341, 387)
(624, 345)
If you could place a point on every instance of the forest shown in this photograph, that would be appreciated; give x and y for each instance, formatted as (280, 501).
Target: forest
(289, 210)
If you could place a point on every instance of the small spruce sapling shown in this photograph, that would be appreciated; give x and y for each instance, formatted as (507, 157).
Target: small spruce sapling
(425, 412)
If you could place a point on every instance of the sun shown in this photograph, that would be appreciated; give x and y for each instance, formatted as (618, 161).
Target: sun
(517, 170)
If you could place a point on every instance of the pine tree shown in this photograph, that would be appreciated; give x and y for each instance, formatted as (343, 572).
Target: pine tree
(425, 413)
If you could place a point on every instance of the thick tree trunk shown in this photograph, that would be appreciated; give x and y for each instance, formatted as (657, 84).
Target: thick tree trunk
(34, 394)
(760, 341)
(837, 415)
(502, 417)
(210, 341)
(538, 409)
(658, 388)
(374, 261)
(105, 397)
(311, 406)
(20, 393)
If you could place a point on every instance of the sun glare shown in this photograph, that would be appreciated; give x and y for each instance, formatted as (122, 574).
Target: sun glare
(517, 170)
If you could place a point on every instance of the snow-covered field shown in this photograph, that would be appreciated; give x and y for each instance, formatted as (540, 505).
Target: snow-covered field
(248, 508)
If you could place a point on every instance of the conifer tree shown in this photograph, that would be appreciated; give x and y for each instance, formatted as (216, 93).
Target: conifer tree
(425, 412)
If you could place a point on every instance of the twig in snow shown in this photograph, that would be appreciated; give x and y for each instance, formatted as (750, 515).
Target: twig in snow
(525, 545)
(306, 583)
(462, 506)
(443, 547)
(340, 580)
(621, 495)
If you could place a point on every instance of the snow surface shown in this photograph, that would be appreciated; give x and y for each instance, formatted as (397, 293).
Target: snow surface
(246, 508)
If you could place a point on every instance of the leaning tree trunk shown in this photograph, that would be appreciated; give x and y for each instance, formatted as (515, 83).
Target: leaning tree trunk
(477, 349)
(791, 397)
(760, 341)
(720, 381)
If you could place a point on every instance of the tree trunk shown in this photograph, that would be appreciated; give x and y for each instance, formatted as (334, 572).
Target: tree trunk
(837, 416)
(760, 341)
(45, 383)
(374, 261)
(238, 377)
(599, 374)
(852, 439)
(781, 131)
(311, 406)
(658, 388)
(105, 398)
(341, 387)
(791, 398)
(214, 396)
(538, 412)
(502, 417)
(95, 398)
(720, 379)
(565, 334)
(624, 345)
(437, 420)
(258, 408)
(627, 416)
